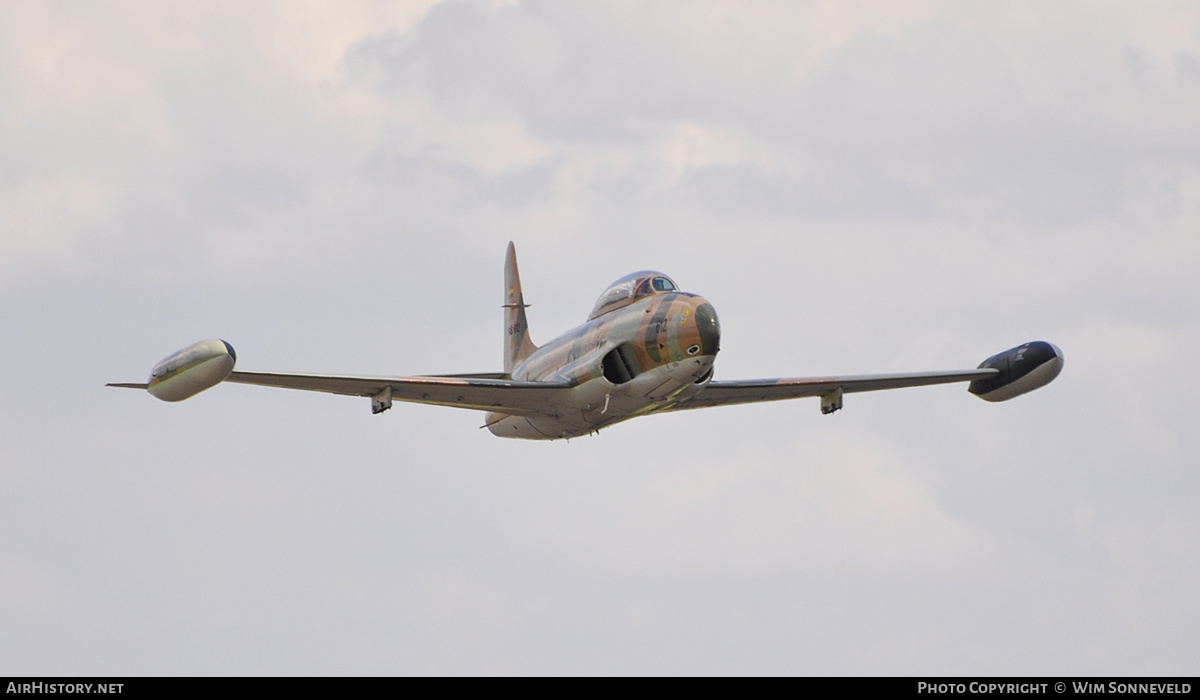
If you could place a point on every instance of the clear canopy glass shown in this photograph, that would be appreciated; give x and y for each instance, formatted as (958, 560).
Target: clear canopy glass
(629, 289)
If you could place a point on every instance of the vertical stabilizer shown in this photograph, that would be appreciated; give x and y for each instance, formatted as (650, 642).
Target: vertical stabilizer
(517, 345)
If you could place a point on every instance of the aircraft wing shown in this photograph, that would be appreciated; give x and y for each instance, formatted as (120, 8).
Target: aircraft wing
(484, 393)
(725, 393)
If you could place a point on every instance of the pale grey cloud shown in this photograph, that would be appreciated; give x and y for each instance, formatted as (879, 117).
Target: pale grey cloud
(856, 188)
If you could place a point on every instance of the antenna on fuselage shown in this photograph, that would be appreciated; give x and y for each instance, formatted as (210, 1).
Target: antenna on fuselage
(517, 345)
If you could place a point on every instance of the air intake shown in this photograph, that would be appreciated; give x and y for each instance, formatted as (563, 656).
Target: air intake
(620, 364)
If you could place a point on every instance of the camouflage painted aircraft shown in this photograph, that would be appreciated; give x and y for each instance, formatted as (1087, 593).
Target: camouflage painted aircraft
(647, 347)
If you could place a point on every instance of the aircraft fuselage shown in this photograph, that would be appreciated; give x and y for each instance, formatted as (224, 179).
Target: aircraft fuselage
(627, 362)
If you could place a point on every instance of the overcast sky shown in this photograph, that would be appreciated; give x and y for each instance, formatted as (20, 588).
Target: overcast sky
(856, 187)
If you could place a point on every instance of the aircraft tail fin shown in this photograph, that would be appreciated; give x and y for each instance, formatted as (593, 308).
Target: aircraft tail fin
(517, 345)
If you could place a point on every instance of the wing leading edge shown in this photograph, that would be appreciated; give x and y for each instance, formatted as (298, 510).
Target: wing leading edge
(484, 393)
(727, 393)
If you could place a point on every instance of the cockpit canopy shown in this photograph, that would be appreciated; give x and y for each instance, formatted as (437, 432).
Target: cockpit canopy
(629, 289)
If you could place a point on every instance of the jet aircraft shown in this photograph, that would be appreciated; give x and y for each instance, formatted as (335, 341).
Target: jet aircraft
(647, 347)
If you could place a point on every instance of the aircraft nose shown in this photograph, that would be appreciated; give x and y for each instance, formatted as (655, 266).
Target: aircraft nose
(709, 327)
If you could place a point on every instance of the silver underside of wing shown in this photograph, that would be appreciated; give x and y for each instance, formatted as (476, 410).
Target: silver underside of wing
(726, 393)
(485, 393)
(490, 393)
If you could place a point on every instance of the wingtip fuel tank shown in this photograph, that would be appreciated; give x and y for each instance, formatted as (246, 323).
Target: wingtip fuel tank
(1021, 370)
(192, 370)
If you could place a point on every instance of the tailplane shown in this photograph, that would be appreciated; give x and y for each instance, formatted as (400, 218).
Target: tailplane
(517, 345)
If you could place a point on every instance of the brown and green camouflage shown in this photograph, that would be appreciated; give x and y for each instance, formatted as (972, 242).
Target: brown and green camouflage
(651, 330)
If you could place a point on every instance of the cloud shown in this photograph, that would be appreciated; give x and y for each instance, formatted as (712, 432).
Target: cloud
(811, 503)
(856, 187)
